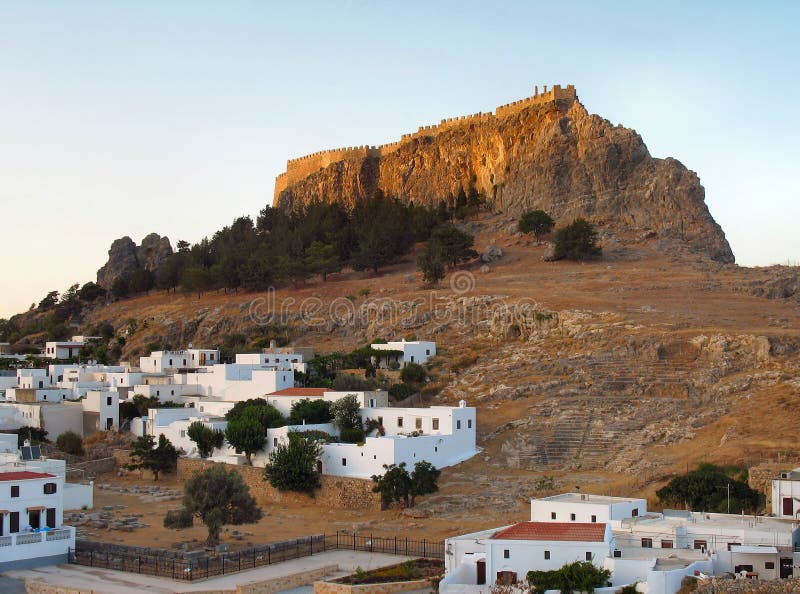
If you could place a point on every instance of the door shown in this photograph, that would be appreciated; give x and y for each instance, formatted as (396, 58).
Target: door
(786, 567)
(788, 506)
(14, 521)
(35, 519)
(109, 423)
(481, 564)
(51, 517)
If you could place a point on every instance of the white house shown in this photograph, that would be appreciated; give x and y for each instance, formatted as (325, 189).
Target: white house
(413, 351)
(786, 494)
(63, 349)
(654, 550)
(287, 360)
(161, 361)
(31, 530)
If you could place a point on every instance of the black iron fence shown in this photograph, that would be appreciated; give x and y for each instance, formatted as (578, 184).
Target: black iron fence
(204, 566)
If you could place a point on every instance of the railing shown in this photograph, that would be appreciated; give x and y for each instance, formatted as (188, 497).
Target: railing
(6, 541)
(188, 569)
(29, 538)
(58, 535)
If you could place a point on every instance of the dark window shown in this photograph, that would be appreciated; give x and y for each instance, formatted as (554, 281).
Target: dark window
(635, 512)
(275, 442)
(14, 519)
(418, 423)
(344, 461)
(588, 555)
(666, 544)
(458, 424)
(15, 490)
(108, 400)
(594, 519)
(35, 519)
(435, 424)
(212, 358)
(399, 421)
(427, 351)
(49, 488)
(469, 423)
(51, 517)
(700, 544)
(547, 554)
(506, 554)
(552, 515)
(647, 543)
(769, 565)
(572, 517)
(617, 554)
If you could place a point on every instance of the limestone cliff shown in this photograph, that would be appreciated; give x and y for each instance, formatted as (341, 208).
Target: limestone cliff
(548, 154)
(124, 257)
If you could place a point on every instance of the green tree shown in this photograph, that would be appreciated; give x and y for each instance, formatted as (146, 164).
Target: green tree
(383, 231)
(393, 485)
(32, 434)
(218, 497)
(706, 489)
(347, 413)
(452, 244)
(205, 438)
(49, 301)
(430, 262)
(537, 222)
(424, 480)
(70, 443)
(580, 576)
(259, 409)
(155, 458)
(322, 258)
(576, 241)
(293, 466)
(91, 292)
(311, 412)
(246, 434)
(413, 373)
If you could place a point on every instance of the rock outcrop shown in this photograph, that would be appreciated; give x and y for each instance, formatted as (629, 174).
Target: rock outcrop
(553, 156)
(124, 257)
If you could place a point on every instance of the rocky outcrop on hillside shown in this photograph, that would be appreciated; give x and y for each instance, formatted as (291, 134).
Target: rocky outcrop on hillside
(555, 156)
(124, 257)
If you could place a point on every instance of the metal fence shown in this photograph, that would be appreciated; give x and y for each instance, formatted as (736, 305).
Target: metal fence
(207, 566)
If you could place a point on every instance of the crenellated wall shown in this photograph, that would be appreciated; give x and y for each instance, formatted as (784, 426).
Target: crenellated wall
(302, 167)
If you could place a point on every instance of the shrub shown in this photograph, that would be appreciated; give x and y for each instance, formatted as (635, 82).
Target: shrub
(537, 222)
(401, 391)
(347, 413)
(178, 518)
(70, 443)
(293, 466)
(413, 373)
(353, 435)
(576, 241)
(583, 576)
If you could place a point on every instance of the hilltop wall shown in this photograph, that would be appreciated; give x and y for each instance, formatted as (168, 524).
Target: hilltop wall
(302, 167)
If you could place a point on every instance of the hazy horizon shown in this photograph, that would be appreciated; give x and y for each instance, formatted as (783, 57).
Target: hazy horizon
(175, 118)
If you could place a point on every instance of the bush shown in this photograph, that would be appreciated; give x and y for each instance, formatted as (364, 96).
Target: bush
(401, 391)
(178, 518)
(537, 222)
(576, 241)
(413, 373)
(70, 443)
(583, 576)
(354, 435)
(293, 466)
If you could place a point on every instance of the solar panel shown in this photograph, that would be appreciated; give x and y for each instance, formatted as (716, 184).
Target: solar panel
(36, 452)
(26, 453)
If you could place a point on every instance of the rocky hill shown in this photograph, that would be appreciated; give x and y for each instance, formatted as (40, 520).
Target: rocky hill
(546, 152)
(124, 257)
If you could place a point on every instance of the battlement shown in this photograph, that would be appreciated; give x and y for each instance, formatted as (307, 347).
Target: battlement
(301, 167)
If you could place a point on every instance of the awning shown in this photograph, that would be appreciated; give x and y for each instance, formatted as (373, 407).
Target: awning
(756, 550)
(36, 508)
(4, 511)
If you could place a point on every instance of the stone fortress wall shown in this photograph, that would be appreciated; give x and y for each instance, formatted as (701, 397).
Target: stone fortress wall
(302, 167)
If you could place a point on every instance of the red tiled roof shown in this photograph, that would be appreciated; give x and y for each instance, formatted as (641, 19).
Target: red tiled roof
(24, 475)
(571, 531)
(299, 392)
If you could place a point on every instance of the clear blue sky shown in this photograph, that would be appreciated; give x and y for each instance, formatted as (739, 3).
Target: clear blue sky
(126, 118)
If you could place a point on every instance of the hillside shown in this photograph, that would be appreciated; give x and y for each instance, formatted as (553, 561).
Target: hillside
(614, 373)
(544, 152)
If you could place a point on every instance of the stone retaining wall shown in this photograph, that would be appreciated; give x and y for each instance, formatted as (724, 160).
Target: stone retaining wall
(335, 492)
(387, 588)
(37, 587)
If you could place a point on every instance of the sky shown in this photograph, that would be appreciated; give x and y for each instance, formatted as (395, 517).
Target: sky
(126, 118)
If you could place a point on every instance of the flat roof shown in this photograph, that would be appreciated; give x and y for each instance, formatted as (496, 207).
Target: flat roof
(560, 531)
(588, 498)
(24, 475)
(756, 550)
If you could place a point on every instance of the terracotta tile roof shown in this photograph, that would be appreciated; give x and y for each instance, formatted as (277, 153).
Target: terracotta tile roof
(300, 392)
(571, 531)
(24, 475)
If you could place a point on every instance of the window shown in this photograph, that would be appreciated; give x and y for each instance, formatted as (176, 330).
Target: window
(666, 544)
(170, 362)
(183, 433)
(634, 512)
(547, 554)
(372, 403)
(506, 554)
(647, 543)
(572, 517)
(399, 421)
(51, 517)
(418, 423)
(15, 490)
(212, 356)
(108, 400)
(427, 351)
(44, 397)
(49, 488)
(172, 392)
(275, 442)
(435, 424)
(458, 424)
(700, 544)
(594, 519)
(469, 423)
(552, 515)
(344, 461)
(14, 522)
(412, 358)
(769, 565)
(617, 554)
(588, 555)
